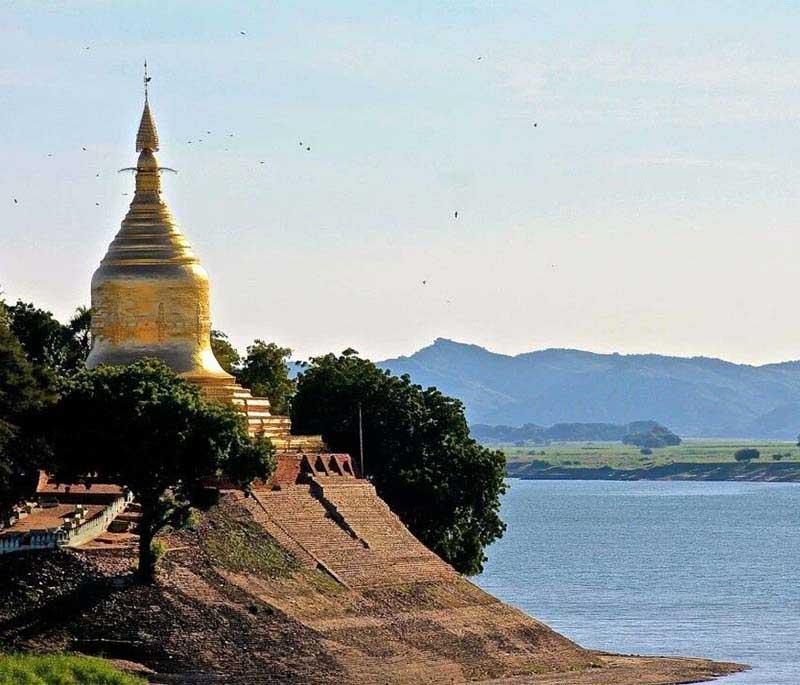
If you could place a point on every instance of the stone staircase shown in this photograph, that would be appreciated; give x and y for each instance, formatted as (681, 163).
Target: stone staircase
(260, 421)
(347, 529)
(121, 532)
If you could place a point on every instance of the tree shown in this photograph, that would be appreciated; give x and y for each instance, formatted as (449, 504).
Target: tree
(79, 337)
(746, 454)
(52, 347)
(226, 354)
(418, 452)
(265, 373)
(655, 436)
(21, 394)
(143, 427)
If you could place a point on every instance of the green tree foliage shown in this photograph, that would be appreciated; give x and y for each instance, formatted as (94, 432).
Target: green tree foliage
(144, 427)
(444, 486)
(264, 371)
(746, 454)
(226, 354)
(52, 347)
(21, 394)
(656, 436)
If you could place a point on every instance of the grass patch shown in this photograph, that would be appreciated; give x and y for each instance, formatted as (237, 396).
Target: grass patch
(61, 669)
(243, 547)
(619, 456)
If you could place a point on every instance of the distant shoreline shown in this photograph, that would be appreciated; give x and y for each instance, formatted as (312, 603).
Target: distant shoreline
(788, 472)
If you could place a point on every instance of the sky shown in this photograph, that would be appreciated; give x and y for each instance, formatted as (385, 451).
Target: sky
(625, 173)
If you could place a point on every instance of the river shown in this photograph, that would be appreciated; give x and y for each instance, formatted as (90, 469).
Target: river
(676, 568)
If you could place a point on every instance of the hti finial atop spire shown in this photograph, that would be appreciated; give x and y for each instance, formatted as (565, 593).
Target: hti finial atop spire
(147, 137)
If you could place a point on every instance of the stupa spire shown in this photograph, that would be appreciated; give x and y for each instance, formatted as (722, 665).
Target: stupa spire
(150, 295)
(147, 136)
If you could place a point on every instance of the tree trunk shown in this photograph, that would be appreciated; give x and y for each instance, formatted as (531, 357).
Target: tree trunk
(147, 560)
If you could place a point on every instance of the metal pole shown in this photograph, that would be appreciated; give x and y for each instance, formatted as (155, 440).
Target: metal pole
(361, 440)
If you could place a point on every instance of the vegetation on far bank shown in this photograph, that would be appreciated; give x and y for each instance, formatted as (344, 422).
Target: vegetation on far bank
(620, 456)
(61, 669)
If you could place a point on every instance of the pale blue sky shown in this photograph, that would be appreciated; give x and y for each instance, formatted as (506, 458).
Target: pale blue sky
(653, 209)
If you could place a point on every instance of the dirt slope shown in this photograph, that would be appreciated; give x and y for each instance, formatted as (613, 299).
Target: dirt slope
(233, 606)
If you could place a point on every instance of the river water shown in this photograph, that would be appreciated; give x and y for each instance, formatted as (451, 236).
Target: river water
(656, 567)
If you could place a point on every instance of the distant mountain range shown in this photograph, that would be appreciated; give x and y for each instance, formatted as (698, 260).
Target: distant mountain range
(695, 397)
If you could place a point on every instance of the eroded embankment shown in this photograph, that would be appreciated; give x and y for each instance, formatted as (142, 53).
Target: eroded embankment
(722, 471)
(232, 605)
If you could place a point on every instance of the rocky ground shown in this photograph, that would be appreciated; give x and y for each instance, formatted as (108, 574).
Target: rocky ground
(232, 606)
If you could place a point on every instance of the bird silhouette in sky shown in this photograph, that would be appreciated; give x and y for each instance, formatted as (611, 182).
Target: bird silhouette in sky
(455, 214)
(424, 282)
(84, 149)
(96, 204)
(15, 201)
(242, 33)
(308, 149)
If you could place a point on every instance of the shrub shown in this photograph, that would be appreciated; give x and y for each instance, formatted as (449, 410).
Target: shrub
(746, 454)
(645, 450)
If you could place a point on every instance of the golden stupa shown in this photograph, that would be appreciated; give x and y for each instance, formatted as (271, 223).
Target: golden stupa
(150, 296)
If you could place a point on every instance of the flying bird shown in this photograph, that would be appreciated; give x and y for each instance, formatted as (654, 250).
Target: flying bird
(15, 201)
(424, 282)
(308, 149)
(96, 204)
(455, 214)
(242, 33)
(84, 149)
(535, 124)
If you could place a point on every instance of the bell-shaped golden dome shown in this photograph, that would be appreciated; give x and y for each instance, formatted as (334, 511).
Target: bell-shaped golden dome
(150, 296)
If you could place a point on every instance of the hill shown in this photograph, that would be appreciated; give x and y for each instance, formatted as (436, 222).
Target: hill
(303, 584)
(695, 397)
